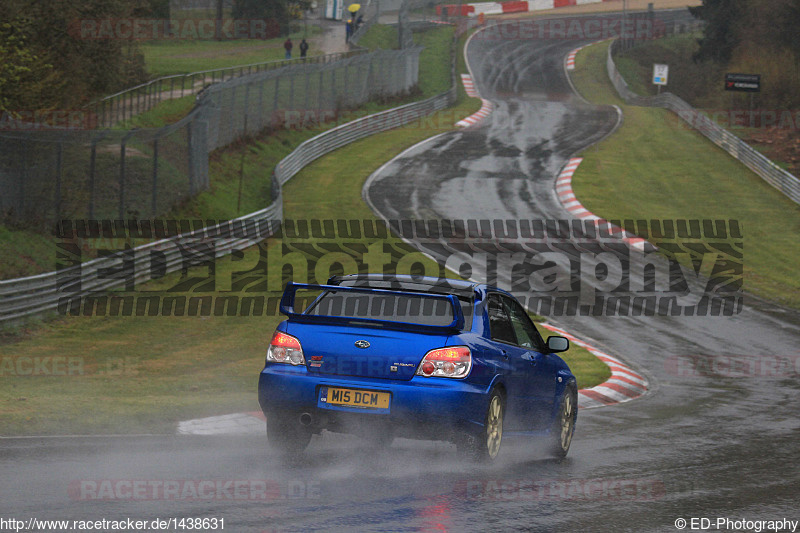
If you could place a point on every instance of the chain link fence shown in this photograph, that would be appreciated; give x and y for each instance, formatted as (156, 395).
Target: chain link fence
(404, 26)
(202, 6)
(126, 104)
(364, 27)
(53, 174)
(299, 94)
(47, 175)
(782, 180)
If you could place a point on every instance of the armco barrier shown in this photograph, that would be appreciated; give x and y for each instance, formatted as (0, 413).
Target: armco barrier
(785, 182)
(358, 129)
(38, 295)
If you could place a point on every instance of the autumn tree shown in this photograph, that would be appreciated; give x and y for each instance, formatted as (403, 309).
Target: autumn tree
(45, 63)
(721, 31)
(274, 11)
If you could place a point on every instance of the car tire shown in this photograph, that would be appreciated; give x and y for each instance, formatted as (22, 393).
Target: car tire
(286, 435)
(485, 446)
(564, 424)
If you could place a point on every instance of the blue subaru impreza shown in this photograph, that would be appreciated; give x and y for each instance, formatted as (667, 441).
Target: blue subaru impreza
(414, 357)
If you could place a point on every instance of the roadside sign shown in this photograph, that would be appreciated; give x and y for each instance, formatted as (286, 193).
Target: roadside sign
(660, 74)
(750, 83)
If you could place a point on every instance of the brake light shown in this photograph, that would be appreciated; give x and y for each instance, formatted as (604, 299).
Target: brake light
(285, 349)
(451, 362)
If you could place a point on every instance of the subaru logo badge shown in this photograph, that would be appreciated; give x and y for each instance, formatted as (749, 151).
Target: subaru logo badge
(362, 344)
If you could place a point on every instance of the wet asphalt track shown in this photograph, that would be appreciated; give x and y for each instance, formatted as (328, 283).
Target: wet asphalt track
(695, 446)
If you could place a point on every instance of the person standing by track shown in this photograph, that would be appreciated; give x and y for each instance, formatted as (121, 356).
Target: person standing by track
(287, 45)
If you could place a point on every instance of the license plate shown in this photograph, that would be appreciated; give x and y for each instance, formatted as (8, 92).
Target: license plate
(355, 398)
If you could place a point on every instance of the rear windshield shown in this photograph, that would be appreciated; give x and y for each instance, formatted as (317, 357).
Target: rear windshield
(410, 308)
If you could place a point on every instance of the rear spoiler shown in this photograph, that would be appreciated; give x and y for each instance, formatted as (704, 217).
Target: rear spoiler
(287, 308)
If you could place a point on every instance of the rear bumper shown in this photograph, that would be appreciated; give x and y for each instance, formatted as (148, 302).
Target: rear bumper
(427, 407)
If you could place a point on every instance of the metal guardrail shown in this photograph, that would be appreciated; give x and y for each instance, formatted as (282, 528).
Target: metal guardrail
(51, 291)
(45, 293)
(782, 180)
(358, 129)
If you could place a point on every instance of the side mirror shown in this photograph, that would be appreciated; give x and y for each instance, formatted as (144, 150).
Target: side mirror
(557, 344)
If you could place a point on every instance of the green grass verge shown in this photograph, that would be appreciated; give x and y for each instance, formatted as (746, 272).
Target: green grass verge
(433, 79)
(700, 84)
(380, 36)
(656, 167)
(588, 369)
(162, 114)
(253, 161)
(143, 374)
(25, 252)
(435, 42)
(181, 56)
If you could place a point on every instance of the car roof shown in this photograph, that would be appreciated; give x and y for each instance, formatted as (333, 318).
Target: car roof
(409, 283)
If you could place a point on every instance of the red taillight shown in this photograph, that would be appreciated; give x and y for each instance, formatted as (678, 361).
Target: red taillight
(282, 339)
(285, 349)
(451, 362)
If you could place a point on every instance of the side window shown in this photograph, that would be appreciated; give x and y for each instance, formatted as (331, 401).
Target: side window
(499, 323)
(525, 331)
